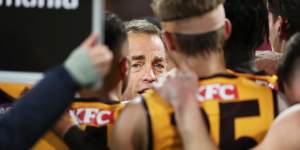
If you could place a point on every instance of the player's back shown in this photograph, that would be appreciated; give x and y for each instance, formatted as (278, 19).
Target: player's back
(238, 113)
(96, 117)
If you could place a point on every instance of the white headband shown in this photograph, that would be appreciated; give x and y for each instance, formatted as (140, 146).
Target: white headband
(208, 22)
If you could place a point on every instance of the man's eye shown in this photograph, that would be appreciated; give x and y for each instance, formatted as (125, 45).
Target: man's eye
(159, 66)
(136, 65)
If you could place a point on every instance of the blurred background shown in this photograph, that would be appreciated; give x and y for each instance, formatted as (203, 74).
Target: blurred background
(40, 34)
(36, 37)
(129, 9)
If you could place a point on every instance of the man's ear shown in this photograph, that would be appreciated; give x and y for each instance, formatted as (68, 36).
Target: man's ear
(281, 27)
(124, 68)
(171, 45)
(227, 28)
(169, 41)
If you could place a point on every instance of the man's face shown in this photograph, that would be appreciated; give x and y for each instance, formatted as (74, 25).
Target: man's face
(275, 32)
(272, 31)
(292, 90)
(147, 62)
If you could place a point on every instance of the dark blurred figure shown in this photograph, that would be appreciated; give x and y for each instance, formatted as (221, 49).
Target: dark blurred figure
(249, 20)
(289, 70)
(30, 117)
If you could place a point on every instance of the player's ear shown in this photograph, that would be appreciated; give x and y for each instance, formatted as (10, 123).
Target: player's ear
(171, 47)
(227, 28)
(124, 68)
(169, 41)
(281, 26)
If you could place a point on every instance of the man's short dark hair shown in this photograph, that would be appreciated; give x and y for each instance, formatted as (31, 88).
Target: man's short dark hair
(192, 45)
(249, 20)
(289, 10)
(288, 63)
(115, 33)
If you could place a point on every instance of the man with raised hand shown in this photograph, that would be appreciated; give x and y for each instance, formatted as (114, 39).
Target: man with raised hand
(37, 110)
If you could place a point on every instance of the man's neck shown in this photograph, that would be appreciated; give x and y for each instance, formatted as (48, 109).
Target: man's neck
(279, 47)
(240, 59)
(207, 65)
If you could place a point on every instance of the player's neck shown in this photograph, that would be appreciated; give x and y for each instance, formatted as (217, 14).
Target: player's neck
(207, 65)
(279, 45)
(116, 93)
(103, 93)
(108, 94)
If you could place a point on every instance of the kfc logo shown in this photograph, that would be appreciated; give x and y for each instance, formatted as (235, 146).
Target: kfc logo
(217, 92)
(92, 116)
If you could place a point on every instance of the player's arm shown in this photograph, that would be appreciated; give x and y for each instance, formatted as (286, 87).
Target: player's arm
(284, 133)
(130, 129)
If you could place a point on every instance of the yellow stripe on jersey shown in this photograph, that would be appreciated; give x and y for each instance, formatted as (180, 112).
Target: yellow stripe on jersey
(50, 141)
(15, 90)
(268, 80)
(239, 113)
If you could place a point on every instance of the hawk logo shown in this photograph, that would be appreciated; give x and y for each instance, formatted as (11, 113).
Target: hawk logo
(92, 116)
(217, 92)
(41, 4)
(4, 108)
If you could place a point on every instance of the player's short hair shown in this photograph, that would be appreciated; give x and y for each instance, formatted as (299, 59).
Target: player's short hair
(115, 33)
(170, 10)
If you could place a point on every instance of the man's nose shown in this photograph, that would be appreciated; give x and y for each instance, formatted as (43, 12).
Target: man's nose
(149, 76)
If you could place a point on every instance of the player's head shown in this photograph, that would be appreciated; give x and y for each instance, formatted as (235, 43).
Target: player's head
(146, 57)
(192, 27)
(249, 20)
(117, 41)
(289, 70)
(283, 21)
(115, 35)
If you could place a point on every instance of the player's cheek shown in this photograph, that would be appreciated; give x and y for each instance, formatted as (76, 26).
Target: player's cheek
(296, 91)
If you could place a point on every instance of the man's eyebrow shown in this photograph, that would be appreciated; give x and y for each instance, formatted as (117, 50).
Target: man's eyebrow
(139, 57)
(159, 59)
